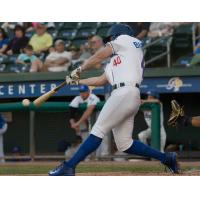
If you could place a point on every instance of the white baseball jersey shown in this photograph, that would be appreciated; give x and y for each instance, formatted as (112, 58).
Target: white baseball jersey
(91, 100)
(126, 64)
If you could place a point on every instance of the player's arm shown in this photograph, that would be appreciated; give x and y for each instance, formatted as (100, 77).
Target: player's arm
(61, 61)
(95, 81)
(72, 113)
(86, 115)
(97, 58)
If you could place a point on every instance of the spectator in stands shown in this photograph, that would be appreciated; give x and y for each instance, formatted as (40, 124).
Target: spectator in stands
(9, 26)
(48, 24)
(75, 51)
(159, 29)
(58, 60)
(96, 43)
(29, 59)
(141, 29)
(17, 44)
(196, 58)
(85, 51)
(3, 41)
(80, 55)
(41, 41)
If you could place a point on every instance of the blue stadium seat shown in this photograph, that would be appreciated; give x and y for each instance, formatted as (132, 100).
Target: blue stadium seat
(29, 34)
(66, 33)
(85, 32)
(53, 32)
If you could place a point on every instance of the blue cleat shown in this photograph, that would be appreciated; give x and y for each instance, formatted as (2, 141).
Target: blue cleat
(62, 170)
(171, 162)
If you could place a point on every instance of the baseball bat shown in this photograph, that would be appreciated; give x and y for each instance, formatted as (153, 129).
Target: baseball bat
(46, 96)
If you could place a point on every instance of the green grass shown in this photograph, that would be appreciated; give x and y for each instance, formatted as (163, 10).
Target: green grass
(28, 169)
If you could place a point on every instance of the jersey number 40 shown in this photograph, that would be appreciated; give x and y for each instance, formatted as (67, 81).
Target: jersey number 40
(117, 61)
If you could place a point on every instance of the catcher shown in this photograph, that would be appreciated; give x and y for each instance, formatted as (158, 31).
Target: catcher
(178, 117)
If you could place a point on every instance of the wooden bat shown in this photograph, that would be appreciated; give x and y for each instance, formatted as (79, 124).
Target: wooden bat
(46, 96)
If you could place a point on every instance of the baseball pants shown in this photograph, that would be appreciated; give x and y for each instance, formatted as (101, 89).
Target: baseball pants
(118, 115)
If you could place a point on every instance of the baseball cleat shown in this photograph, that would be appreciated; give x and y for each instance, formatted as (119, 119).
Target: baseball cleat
(171, 162)
(62, 170)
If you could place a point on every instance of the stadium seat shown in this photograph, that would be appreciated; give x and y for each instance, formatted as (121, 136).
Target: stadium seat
(13, 58)
(66, 33)
(2, 68)
(157, 49)
(78, 42)
(89, 25)
(69, 25)
(85, 32)
(29, 34)
(102, 31)
(52, 31)
(107, 24)
(182, 37)
(183, 61)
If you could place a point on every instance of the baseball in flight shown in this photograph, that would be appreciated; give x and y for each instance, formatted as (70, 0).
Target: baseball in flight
(26, 102)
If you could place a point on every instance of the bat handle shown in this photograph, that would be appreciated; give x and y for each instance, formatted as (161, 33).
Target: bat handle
(59, 86)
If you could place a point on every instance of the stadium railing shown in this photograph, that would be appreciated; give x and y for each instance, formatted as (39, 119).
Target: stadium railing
(167, 41)
(63, 107)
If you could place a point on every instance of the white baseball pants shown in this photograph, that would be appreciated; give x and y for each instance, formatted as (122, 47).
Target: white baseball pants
(118, 115)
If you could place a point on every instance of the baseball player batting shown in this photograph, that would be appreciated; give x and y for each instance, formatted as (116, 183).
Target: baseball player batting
(125, 74)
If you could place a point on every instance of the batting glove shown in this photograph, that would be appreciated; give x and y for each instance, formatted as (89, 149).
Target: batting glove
(70, 81)
(75, 74)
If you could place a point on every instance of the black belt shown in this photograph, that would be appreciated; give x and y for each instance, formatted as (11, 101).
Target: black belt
(115, 86)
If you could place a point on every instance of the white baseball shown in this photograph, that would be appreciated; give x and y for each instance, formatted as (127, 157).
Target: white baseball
(26, 102)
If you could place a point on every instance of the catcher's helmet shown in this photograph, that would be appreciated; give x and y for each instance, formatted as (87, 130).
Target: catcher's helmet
(117, 30)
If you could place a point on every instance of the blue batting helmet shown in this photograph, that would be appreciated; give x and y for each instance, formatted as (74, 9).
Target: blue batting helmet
(153, 93)
(117, 30)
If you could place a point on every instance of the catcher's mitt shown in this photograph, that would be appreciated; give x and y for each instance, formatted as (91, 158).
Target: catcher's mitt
(176, 115)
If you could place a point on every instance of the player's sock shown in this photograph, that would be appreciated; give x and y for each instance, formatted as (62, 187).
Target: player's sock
(88, 146)
(141, 149)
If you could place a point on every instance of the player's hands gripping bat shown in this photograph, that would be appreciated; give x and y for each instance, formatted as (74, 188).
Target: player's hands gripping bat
(176, 115)
(70, 81)
(47, 95)
(75, 74)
